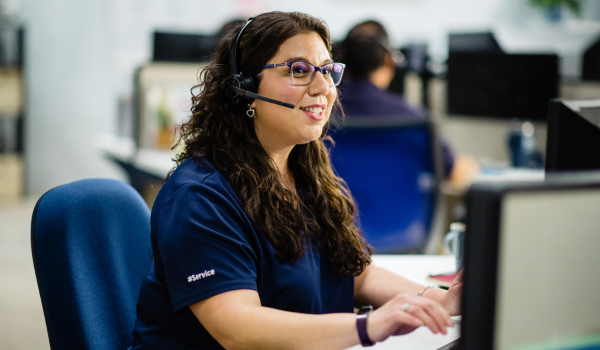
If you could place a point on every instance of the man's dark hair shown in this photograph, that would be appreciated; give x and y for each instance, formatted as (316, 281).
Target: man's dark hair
(365, 48)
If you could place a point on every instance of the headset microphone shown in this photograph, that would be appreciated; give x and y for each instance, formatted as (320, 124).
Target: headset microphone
(249, 94)
(240, 84)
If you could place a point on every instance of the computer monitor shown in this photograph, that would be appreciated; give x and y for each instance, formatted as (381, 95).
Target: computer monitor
(531, 265)
(482, 42)
(590, 69)
(573, 136)
(181, 47)
(501, 85)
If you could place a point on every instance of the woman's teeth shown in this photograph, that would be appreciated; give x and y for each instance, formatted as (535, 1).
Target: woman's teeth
(314, 110)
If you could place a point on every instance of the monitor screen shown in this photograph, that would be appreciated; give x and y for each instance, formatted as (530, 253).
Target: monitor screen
(180, 47)
(591, 62)
(531, 265)
(573, 136)
(473, 42)
(500, 85)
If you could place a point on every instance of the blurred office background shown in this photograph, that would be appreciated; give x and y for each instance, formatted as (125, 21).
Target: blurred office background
(77, 75)
(69, 75)
(80, 58)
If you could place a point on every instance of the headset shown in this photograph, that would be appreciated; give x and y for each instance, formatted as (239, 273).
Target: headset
(240, 84)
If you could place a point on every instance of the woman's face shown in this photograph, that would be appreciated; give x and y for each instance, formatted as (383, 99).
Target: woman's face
(278, 126)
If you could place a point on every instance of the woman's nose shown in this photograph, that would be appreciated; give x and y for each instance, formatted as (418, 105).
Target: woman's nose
(319, 85)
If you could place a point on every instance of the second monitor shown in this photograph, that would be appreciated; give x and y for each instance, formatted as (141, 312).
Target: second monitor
(501, 85)
(573, 136)
(531, 261)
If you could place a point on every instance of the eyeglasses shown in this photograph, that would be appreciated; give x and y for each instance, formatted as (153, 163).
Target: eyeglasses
(303, 73)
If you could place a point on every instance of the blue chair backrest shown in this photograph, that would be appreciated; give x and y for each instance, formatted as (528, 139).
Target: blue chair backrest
(390, 168)
(90, 243)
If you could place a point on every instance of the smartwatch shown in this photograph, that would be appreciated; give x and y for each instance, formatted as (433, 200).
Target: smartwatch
(361, 325)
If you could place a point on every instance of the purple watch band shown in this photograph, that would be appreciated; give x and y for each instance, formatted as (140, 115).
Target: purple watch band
(361, 326)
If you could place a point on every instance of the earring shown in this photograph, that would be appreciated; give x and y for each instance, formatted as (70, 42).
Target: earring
(250, 112)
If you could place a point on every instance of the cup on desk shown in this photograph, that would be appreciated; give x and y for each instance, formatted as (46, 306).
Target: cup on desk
(453, 242)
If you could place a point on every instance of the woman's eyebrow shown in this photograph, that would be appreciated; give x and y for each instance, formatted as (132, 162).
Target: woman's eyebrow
(304, 59)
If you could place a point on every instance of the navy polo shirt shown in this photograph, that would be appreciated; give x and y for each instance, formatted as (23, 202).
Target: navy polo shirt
(204, 244)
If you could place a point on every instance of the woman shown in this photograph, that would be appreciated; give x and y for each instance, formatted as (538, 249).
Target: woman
(253, 235)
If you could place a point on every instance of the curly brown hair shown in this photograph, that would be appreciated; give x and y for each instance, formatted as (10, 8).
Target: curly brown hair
(323, 210)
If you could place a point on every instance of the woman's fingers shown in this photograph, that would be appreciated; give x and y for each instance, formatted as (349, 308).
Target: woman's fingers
(451, 299)
(432, 314)
(409, 319)
(389, 320)
(404, 313)
(443, 317)
(428, 320)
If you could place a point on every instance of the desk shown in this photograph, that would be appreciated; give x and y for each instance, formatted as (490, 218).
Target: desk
(122, 150)
(416, 268)
(509, 175)
(146, 168)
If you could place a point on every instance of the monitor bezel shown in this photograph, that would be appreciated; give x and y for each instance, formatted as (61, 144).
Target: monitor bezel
(558, 125)
(484, 215)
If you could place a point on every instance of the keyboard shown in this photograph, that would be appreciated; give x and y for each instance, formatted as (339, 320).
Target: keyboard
(453, 345)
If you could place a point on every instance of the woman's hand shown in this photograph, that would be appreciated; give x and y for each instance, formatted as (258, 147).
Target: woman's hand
(451, 300)
(393, 318)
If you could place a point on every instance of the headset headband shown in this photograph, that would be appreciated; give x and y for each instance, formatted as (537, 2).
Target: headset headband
(233, 60)
(240, 84)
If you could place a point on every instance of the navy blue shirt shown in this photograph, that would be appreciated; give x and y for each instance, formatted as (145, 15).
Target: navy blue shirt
(204, 244)
(362, 98)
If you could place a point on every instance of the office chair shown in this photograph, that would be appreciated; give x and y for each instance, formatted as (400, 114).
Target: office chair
(392, 168)
(90, 242)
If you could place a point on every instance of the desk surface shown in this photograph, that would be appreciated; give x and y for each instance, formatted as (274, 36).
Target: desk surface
(509, 175)
(417, 268)
(154, 162)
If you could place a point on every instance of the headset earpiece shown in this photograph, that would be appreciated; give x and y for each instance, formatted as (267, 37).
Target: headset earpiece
(241, 81)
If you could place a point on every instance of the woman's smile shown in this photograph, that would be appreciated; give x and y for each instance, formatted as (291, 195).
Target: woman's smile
(315, 112)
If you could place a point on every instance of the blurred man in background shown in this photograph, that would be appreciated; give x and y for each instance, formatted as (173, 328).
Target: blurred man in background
(370, 67)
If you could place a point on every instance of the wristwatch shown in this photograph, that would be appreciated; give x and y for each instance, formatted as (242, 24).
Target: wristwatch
(361, 325)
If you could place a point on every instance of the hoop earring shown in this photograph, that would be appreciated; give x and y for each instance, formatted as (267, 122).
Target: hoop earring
(250, 112)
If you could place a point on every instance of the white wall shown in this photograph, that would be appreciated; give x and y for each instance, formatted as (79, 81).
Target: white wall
(68, 90)
(80, 57)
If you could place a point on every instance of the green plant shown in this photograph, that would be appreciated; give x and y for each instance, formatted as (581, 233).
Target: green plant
(573, 5)
(165, 116)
